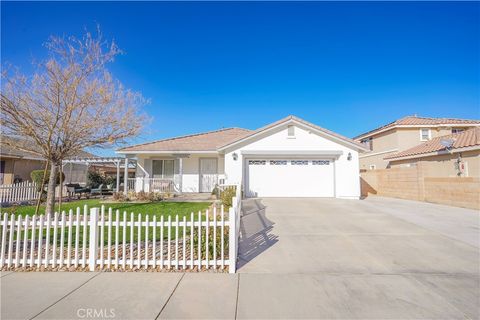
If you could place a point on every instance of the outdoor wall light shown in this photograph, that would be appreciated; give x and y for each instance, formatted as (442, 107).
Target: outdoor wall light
(349, 156)
(235, 156)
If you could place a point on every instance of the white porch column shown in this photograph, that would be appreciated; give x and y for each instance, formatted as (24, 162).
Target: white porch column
(180, 173)
(125, 177)
(118, 176)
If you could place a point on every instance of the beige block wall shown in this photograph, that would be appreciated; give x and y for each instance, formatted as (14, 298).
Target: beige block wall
(459, 192)
(411, 183)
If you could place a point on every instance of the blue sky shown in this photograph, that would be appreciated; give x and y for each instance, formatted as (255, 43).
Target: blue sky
(348, 67)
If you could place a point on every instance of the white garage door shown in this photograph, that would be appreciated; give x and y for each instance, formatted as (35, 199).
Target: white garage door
(289, 178)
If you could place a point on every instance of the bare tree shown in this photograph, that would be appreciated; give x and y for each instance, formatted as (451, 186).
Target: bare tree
(70, 103)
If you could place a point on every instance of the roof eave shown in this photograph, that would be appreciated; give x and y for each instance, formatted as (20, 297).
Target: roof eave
(164, 151)
(434, 153)
(374, 132)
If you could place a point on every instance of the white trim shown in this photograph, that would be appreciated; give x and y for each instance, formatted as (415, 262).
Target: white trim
(166, 152)
(429, 134)
(377, 153)
(373, 133)
(435, 153)
(293, 153)
(298, 123)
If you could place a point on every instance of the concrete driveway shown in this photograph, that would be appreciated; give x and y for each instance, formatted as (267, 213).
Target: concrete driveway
(299, 259)
(375, 258)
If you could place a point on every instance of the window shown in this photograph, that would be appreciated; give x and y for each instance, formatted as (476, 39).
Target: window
(2, 171)
(457, 130)
(163, 169)
(425, 134)
(372, 167)
(291, 131)
(321, 162)
(368, 143)
(299, 162)
(278, 162)
(257, 162)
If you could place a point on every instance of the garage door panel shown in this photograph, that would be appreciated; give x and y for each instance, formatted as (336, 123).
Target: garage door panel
(290, 178)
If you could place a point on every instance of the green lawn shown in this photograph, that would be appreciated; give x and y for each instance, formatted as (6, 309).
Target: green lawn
(155, 208)
(158, 209)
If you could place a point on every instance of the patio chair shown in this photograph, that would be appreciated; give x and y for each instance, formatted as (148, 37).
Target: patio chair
(101, 190)
(74, 189)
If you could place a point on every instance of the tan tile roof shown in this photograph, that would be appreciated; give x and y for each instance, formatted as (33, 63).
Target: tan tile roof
(467, 138)
(416, 121)
(309, 124)
(208, 141)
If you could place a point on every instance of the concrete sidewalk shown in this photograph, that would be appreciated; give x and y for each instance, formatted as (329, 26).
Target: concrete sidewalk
(242, 296)
(299, 259)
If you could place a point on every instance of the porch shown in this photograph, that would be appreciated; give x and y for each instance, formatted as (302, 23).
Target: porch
(177, 173)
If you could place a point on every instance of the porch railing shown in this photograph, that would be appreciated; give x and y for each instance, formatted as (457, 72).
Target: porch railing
(152, 185)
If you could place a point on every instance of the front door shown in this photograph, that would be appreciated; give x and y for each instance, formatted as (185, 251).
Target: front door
(208, 174)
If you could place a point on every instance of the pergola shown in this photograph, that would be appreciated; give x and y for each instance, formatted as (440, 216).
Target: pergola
(117, 161)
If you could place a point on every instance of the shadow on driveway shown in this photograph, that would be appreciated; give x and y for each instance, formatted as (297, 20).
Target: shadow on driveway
(255, 231)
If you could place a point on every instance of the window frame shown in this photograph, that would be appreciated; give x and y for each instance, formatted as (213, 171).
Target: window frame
(368, 142)
(429, 134)
(291, 131)
(163, 176)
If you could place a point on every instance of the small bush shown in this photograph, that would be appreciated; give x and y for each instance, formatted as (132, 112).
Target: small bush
(155, 196)
(94, 179)
(110, 180)
(119, 196)
(226, 197)
(139, 196)
(37, 177)
(142, 196)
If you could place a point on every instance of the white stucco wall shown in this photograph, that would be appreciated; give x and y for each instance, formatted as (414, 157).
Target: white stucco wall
(347, 178)
(191, 165)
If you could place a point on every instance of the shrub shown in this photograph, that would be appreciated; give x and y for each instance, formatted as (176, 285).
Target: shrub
(37, 177)
(155, 196)
(215, 191)
(110, 180)
(226, 197)
(142, 196)
(119, 196)
(94, 179)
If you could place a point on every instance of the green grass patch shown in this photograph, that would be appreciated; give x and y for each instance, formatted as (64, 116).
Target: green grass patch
(158, 209)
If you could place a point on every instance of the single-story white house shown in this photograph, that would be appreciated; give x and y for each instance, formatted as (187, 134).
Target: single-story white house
(288, 158)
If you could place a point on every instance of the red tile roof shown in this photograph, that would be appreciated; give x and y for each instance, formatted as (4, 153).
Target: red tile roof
(207, 141)
(418, 121)
(467, 138)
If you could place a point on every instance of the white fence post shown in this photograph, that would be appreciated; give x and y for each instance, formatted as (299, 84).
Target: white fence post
(92, 258)
(232, 238)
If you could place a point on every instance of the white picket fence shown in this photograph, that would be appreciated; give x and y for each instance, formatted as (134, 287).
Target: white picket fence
(234, 213)
(100, 239)
(23, 191)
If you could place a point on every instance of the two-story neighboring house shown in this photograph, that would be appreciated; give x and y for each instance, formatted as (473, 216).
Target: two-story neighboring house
(404, 134)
